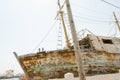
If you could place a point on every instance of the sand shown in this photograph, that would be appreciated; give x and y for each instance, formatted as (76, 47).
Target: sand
(115, 76)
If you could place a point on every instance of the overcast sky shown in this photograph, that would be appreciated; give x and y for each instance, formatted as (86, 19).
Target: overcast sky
(25, 23)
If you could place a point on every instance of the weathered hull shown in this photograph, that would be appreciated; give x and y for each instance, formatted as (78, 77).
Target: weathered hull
(100, 54)
(55, 64)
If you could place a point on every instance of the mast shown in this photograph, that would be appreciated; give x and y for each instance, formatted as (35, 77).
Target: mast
(75, 42)
(116, 20)
(63, 23)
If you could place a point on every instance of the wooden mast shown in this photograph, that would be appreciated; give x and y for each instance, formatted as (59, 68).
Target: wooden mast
(75, 42)
(116, 20)
(63, 23)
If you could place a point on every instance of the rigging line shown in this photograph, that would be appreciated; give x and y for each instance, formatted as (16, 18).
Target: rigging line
(110, 30)
(91, 16)
(90, 19)
(115, 33)
(45, 36)
(111, 4)
(95, 11)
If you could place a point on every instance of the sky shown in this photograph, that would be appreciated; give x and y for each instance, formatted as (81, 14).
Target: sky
(26, 25)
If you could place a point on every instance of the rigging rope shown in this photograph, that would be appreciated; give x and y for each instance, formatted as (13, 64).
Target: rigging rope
(90, 19)
(45, 36)
(111, 4)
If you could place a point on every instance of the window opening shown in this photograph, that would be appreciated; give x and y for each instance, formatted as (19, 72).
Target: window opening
(107, 41)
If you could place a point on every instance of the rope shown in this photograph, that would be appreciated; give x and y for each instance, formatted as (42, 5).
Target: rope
(45, 36)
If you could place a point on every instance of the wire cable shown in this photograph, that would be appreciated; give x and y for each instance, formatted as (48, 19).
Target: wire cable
(90, 19)
(45, 36)
(92, 16)
(111, 4)
(88, 9)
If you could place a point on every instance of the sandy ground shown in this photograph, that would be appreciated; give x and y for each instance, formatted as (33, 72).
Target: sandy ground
(97, 77)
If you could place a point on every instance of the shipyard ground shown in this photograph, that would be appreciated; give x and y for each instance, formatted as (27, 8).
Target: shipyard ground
(115, 76)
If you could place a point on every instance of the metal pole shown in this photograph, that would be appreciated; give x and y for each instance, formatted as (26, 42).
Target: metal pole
(75, 42)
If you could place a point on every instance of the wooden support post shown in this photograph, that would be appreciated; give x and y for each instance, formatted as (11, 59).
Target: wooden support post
(75, 42)
(116, 20)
